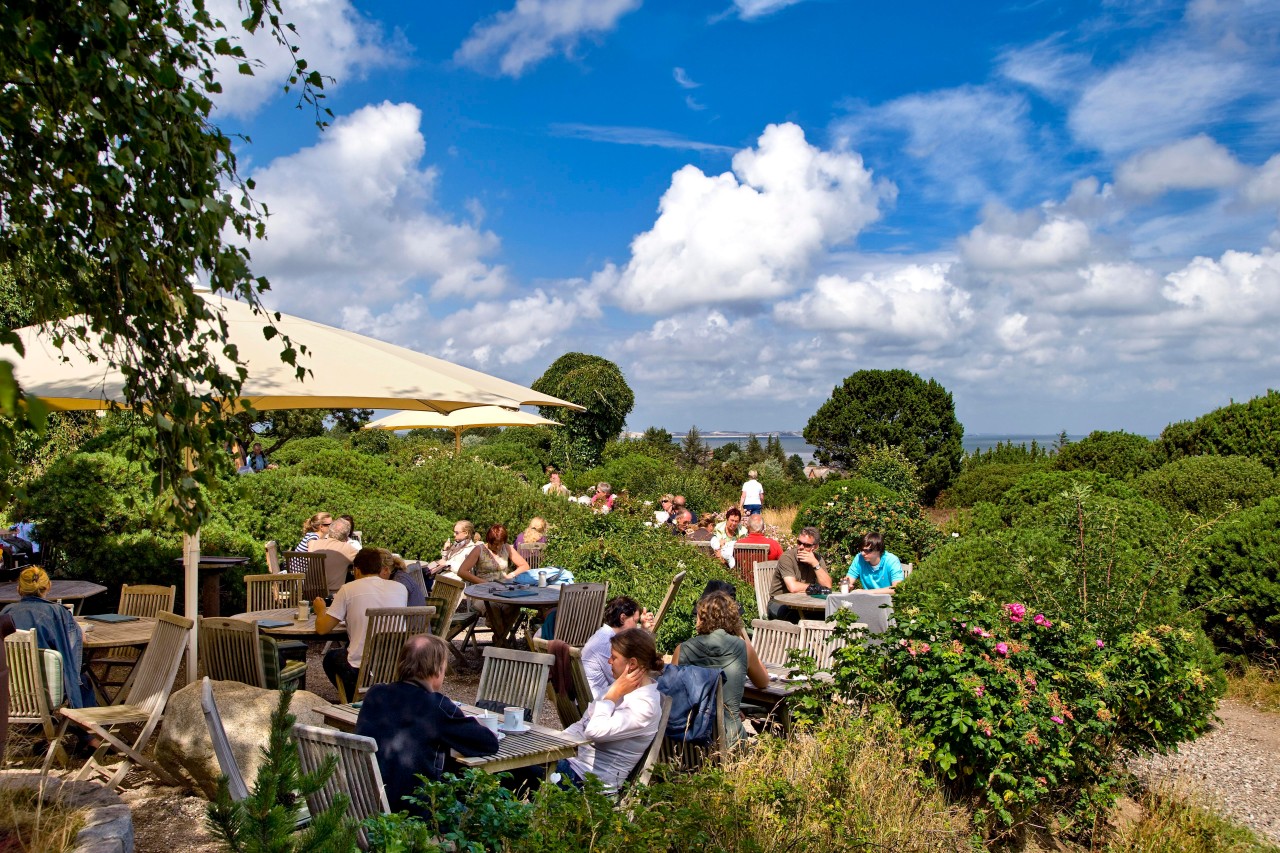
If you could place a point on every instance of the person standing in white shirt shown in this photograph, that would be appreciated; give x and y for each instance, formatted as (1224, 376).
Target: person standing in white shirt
(620, 613)
(370, 590)
(752, 495)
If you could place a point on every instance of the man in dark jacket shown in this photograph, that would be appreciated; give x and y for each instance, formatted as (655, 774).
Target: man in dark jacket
(416, 725)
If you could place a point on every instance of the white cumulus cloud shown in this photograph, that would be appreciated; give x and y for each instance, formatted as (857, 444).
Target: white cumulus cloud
(750, 234)
(352, 219)
(1264, 186)
(1030, 240)
(1189, 164)
(1238, 285)
(533, 30)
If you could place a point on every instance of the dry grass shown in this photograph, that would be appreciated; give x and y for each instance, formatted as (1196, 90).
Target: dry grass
(31, 826)
(778, 523)
(848, 784)
(1173, 822)
(1257, 687)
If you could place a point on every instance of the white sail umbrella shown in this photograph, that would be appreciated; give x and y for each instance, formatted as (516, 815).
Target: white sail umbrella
(347, 371)
(459, 421)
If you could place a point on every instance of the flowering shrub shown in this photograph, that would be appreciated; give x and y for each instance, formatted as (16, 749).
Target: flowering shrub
(1026, 713)
(846, 516)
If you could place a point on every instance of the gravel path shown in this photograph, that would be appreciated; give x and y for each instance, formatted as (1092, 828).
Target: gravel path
(1235, 767)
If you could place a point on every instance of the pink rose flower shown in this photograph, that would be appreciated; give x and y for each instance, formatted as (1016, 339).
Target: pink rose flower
(1042, 622)
(1002, 649)
(1057, 720)
(979, 690)
(1016, 611)
(1100, 643)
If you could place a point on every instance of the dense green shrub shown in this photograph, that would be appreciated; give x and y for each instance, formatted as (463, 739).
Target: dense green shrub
(986, 482)
(302, 448)
(1007, 454)
(465, 488)
(1207, 485)
(1029, 713)
(368, 474)
(844, 519)
(890, 467)
(1120, 455)
(638, 474)
(1038, 486)
(1236, 582)
(825, 493)
(1241, 429)
(518, 459)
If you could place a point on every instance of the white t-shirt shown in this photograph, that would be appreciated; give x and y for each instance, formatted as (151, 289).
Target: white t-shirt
(620, 734)
(595, 661)
(355, 599)
(752, 492)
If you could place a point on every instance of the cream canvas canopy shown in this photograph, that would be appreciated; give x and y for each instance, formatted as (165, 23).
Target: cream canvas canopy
(459, 421)
(347, 371)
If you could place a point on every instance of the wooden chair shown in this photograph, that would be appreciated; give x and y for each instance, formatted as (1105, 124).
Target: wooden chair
(774, 638)
(676, 583)
(705, 545)
(273, 557)
(273, 592)
(643, 771)
(221, 745)
(820, 640)
(907, 569)
(515, 678)
(311, 566)
(143, 706)
(356, 774)
(384, 636)
(762, 578)
(568, 710)
(745, 557)
(29, 696)
(684, 755)
(532, 553)
(580, 612)
(414, 571)
(453, 621)
(136, 600)
(234, 650)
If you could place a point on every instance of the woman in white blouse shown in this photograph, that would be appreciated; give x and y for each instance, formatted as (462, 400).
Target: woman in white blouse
(622, 724)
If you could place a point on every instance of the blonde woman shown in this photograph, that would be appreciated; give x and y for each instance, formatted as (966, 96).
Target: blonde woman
(533, 534)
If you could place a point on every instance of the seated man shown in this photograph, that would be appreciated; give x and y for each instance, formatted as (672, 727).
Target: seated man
(416, 725)
(874, 567)
(798, 568)
(620, 614)
(755, 536)
(370, 590)
(338, 552)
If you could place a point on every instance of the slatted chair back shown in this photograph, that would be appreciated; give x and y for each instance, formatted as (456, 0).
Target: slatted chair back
(356, 775)
(643, 771)
(272, 592)
(384, 636)
(158, 667)
(414, 571)
(907, 569)
(773, 639)
(272, 549)
(745, 557)
(311, 566)
(820, 640)
(515, 678)
(580, 612)
(705, 545)
(146, 599)
(762, 577)
(230, 651)
(685, 755)
(221, 745)
(449, 591)
(532, 553)
(28, 693)
(676, 583)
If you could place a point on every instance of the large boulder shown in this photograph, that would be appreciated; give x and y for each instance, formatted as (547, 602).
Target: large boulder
(184, 747)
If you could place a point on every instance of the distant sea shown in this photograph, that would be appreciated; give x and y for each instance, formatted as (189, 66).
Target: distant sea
(794, 444)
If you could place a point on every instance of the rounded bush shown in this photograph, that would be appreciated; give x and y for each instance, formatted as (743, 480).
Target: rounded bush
(826, 493)
(1236, 582)
(844, 519)
(1037, 487)
(299, 449)
(986, 482)
(1120, 455)
(518, 459)
(1206, 485)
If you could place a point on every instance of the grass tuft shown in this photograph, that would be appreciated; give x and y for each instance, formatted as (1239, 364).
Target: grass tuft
(1174, 822)
(1255, 686)
(30, 826)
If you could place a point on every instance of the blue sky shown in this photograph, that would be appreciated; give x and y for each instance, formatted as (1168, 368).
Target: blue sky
(1064, 212)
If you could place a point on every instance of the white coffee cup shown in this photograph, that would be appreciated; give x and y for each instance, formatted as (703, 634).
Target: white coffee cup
(489, 721)
(514, 718)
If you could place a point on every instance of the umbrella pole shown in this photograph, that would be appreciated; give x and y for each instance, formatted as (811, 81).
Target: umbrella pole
(457, 442)
(191, 592)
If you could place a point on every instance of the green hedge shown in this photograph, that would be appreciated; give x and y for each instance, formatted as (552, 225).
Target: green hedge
(826, 493)
(1241, 429)
(1206, 485)
(299, 449)
(844, 519)
(1120, 455)
(986, 482)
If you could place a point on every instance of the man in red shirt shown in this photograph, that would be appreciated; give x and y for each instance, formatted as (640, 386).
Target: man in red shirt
(755, 536)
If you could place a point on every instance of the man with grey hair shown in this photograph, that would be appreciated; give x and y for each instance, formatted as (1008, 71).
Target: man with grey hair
(798, 568)
(755, 536)
(338, 550)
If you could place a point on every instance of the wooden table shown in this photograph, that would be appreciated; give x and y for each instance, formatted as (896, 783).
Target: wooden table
(802, 601)
(543, 599)
(210, 569)
(99, 636)
(295, 630)
(59, 590)
(538, 746)
(775, 695)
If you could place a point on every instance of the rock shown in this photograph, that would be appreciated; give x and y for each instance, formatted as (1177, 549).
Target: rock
(184, 747)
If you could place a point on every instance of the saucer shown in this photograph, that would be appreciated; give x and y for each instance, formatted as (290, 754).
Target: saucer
(524, 727)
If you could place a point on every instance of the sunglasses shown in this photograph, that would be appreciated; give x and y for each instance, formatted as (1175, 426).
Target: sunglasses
(805, 544)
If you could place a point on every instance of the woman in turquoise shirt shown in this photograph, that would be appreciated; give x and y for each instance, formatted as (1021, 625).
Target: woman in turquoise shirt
(874, 567)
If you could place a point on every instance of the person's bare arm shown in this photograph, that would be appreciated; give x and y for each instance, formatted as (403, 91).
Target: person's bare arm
(824, 577)
(324, 622)
(467, 571)
(755, 668)
(675, 656)
(515, 559)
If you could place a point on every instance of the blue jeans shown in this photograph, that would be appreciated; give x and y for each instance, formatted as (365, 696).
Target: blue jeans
(566, 771)
(752, 509)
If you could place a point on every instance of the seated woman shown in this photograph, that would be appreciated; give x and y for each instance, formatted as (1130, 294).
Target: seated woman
(55, 629)
(728, 532)
(721, 642)
(705, 531)
(533, 534)
(494, 560)
(602, 501)
(416, 725)
(314, 528)
(622, 724)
